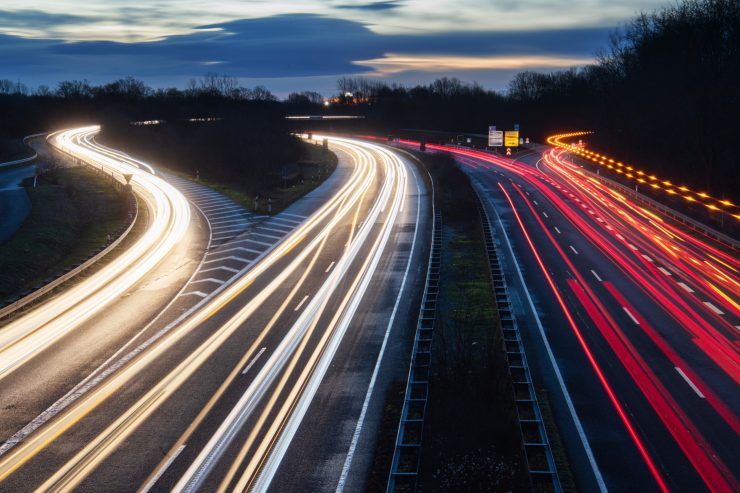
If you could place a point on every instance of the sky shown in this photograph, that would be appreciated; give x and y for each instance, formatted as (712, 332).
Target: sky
(302, 44)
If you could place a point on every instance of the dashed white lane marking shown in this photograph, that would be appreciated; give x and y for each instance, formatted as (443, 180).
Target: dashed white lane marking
(535, 202)
(300, 304)
(647, 258)
(209, 279)
(714, 308)
(545, 214)
(609, 228)
(620, 237)
(330, 266)
(254, 360)
(557, 230)
(166, 465)
(632, 247)
(665, 271)
(688, 381)
(686, 287)
(574, 250)
(596, 275)
(599, 219)
(630, 314)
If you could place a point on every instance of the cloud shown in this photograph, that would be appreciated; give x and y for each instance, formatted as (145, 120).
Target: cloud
(385, 5)
(296, 46)
(392, 64)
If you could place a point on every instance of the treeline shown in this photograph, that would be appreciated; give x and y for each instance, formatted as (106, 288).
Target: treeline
(664, 95)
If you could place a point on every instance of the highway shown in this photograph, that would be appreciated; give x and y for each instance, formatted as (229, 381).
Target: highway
(633, 321)
(215, 399)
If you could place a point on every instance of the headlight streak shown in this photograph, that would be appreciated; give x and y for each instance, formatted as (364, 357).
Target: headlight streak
(170, 211)
(98, 449)
(22, 452)
(211, 453)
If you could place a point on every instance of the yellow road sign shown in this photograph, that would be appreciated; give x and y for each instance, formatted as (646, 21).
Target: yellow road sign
(511, 138)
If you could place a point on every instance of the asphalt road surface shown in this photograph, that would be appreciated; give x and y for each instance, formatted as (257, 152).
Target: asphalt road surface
(266, 377)
(631, 323)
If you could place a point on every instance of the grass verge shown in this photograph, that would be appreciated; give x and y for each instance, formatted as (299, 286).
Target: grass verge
(471, 435)
(73, 212)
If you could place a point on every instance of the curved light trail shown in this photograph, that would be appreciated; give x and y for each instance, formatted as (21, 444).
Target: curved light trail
(685, 279)
(169, 211)
(375, 168)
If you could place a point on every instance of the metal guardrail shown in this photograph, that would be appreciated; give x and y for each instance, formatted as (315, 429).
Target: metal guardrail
(10, 164)
(687, 221)
(537, 451)
(36, 293)
(405, 465)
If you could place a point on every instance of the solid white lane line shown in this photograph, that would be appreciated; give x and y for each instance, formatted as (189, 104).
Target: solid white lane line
(254, 360)
(688, 381)
(714, 308)
(574, 250)
(166, 465)
(665, 271)
(686, 287)
(630, 314)
(557, 230)
(556, 369)
(596, 275)
(330, 266)
(300, 304)
(230, 257)
(229, 269)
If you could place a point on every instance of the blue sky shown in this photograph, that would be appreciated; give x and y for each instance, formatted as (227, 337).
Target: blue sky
(302, 44)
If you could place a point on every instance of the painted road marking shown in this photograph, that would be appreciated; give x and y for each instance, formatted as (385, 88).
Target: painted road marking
(688, 381)
(665, 271)
(209, 279)
(647, 258)
(545, 214)
(196, 293)
(574, 250)
(596, 275)
(300, 304)
(167, 464)
(557, 230)
(714, 308)
(630, 314)
(254, 360)
(686, 287)
(330, 266)
(632, 247)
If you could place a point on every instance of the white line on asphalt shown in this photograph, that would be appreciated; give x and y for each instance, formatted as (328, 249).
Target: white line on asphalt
(330, 266)
(229, 269)
(620, 237)
(371, 386)
(254, 360)
(630, 314)
(632, 247)
(167, 464)
(686, 287)
(196, 293)
(535, 202)
(688, 381)
(647, 258)
(596, 275)
(556, 369)
(300, 304)
(574, 250)
(665, 271)
(209, 279)
(545, 214)
(557, 230)
(230, 257)
(714, 308)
